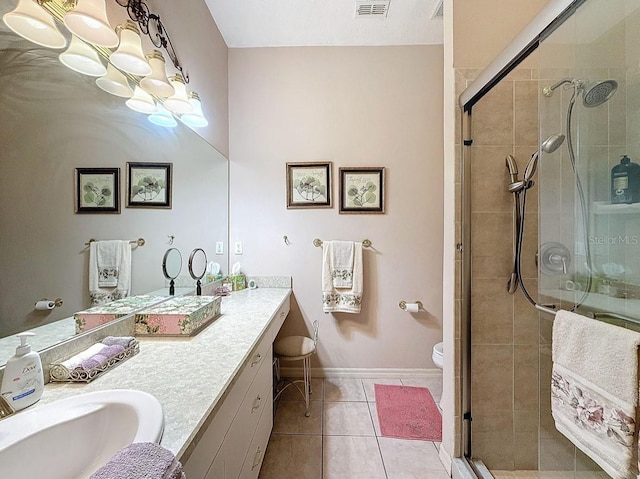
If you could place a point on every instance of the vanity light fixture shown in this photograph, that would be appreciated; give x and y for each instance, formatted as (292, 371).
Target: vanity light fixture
(31, 21)
(162, 117)
(82, 58)
(178, 102)
(115, 82)
(141, 102)
(157, 82)
(129, 57)
(88, 21)
(195, 118)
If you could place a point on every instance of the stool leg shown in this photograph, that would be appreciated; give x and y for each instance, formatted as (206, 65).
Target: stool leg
(307, 383)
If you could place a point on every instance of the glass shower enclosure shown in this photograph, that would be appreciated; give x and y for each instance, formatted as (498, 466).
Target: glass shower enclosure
(569, 118)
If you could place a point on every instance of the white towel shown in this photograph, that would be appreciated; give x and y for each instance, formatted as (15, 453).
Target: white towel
(341, 299)
(341, 262)
(594, 390)
(109, 270)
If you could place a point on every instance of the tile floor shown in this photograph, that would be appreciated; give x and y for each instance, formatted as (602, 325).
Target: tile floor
(549, 475)
(341, 439)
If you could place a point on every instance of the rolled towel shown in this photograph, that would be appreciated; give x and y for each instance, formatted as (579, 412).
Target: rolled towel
(75, 361)
(141, 460)
(102, 357)
(124, 341)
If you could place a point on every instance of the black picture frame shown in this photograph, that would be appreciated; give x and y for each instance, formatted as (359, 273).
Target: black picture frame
(309, 185)
(362, 190)
(149, 185)
(97, 190)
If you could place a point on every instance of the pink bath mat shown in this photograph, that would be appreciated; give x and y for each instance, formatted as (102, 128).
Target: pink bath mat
(407, 412)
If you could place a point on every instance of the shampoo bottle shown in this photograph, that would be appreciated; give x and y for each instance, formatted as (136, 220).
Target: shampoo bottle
(625, 182)
(23, 380)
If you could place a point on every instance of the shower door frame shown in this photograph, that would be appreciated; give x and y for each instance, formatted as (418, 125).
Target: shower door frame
(552, 16)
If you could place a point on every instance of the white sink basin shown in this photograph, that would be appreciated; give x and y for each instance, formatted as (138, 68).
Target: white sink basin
(72, 438)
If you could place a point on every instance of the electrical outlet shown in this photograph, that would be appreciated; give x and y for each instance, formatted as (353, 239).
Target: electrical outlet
(238, 247)
(219, 247)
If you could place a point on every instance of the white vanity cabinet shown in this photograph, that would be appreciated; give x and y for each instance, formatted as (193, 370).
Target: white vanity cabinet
(233, 444)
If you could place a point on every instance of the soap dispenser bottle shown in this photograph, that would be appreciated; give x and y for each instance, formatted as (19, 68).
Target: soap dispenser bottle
(23, 380)
(625, 182)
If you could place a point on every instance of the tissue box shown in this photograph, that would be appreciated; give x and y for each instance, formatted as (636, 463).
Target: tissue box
(104, 313)
(184, 316)
(238, 282)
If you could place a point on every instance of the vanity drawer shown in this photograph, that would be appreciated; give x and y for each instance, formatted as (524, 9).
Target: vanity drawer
(278, 319)
(255, 456)
(257, 400)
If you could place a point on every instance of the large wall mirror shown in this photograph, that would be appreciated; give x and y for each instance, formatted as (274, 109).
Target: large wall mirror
(55, 120)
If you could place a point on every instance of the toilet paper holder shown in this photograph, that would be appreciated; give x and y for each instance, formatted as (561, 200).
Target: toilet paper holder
(405, 306)
(46, 304)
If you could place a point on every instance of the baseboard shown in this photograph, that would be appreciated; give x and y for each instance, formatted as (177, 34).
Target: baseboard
(445, 458)
(364, 373)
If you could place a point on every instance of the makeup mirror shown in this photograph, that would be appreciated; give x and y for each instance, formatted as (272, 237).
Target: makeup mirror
(198, 267)
(171, 267)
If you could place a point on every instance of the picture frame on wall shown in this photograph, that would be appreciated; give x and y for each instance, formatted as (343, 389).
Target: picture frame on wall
(149, 185)
(362, 190)
(97, 190)
(309, 185)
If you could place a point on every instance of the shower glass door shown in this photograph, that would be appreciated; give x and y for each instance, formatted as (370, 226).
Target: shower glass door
(589, 208)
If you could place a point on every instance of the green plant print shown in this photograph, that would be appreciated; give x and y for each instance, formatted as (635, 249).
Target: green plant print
(310, 188)
(148, 188)
(363, 195)
(96, 195)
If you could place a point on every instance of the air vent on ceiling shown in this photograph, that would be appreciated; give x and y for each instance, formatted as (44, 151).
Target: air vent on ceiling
(372, 9)
(438, 12)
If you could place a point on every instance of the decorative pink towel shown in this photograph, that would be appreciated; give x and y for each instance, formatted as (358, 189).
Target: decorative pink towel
(141, 460)
(407, 412)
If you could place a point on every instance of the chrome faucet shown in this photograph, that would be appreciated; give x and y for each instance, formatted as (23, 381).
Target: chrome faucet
(5, 408)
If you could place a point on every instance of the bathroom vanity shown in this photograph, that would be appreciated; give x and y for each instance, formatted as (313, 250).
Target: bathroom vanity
(215, 387)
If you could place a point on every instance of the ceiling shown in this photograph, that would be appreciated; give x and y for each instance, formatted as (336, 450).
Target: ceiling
(288, 23)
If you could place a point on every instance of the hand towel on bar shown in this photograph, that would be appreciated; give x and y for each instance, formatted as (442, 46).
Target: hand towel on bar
(341, 259)
(109, 270)
(141, 460)
(341, 299)
(594, 390)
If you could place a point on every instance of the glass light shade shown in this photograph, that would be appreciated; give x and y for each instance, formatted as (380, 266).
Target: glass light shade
(178, 102)
(162, 117)
(88, 20)
(157, 82)
(82, 58)
(141, 102)
(115, 82)
(129, 57)
(31, 21)
(196, 118)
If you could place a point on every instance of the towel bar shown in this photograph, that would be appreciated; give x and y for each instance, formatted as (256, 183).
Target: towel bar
(138, 242)
(592, 315)
(318, 242)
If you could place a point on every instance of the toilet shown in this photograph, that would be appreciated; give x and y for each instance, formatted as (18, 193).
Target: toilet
(438, 360)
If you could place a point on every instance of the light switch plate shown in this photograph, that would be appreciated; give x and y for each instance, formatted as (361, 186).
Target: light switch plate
(219, 247)
(238, 247)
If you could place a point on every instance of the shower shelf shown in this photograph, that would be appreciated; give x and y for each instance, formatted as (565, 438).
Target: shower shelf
(605, 208)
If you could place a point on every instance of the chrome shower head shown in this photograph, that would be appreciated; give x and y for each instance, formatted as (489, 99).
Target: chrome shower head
(552, 143)
(598, 93)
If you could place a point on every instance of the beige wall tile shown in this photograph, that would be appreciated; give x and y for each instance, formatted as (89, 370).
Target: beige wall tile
(491, 234)
(526, 113)
(525, 381)
(493, 117)
(491, 312)
(490, 178)
(491, 378)
(525, 450)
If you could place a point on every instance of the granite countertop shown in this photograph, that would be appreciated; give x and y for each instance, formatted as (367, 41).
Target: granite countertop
(189, 375)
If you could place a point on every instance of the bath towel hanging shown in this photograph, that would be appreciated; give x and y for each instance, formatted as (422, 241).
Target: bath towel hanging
(342, 276)
(109, 270)
(594, 390)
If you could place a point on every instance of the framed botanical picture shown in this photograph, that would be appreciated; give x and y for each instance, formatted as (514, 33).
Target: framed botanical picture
(362, 190)
(97, 190)
(309, 185)
(149, 185)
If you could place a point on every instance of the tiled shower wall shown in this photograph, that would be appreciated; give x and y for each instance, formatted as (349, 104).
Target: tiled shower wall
(504, 331)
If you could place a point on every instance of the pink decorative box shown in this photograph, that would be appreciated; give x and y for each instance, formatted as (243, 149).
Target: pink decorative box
(184, 316)
(104, 313)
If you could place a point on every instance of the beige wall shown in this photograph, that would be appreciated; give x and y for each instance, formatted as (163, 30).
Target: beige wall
(483, 28)
(368, 106)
